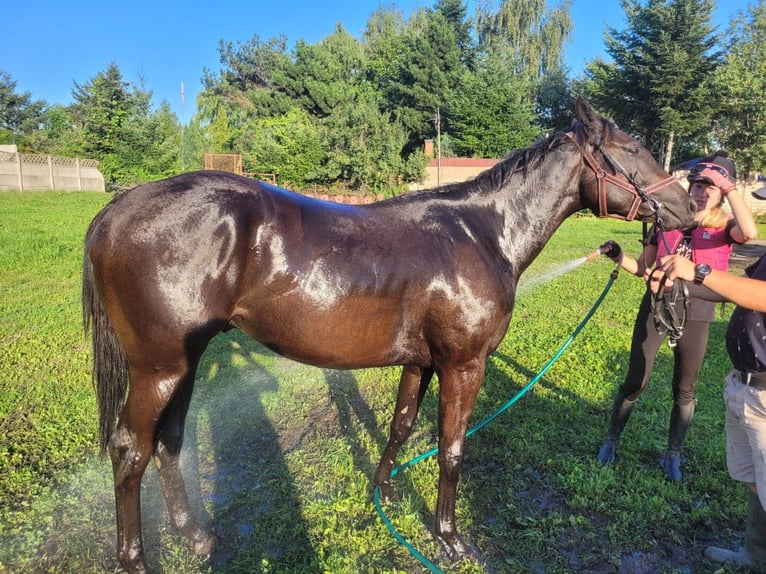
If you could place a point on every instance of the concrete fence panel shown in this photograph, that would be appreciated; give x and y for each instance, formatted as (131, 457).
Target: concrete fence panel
(36, 172)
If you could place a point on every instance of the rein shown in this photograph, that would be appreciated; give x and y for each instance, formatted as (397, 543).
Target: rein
(670, 308)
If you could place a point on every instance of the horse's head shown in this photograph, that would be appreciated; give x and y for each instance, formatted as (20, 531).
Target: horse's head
(620, 178)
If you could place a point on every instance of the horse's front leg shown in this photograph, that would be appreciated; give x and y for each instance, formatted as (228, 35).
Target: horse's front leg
(459, 387)
(412, 388)
(166, 459)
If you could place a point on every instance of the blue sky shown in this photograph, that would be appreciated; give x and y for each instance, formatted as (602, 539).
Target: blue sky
(47, 45)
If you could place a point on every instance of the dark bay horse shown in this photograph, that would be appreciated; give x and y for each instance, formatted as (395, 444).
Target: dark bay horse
(425, 280)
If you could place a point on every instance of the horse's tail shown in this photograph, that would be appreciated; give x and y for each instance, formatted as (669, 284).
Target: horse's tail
(110, 364)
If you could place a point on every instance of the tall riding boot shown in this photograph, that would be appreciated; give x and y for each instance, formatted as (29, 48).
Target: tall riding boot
(621, 410)
(680, 420)
(753, 553)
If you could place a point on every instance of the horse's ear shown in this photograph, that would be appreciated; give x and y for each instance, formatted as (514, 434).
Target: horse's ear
(591, 122)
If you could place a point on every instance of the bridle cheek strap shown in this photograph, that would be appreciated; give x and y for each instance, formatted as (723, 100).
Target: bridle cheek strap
(626, 182)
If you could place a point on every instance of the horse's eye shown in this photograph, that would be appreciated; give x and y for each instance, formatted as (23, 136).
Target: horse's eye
(634, 149)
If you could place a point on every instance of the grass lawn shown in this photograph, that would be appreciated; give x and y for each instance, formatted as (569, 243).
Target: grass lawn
(279, 457)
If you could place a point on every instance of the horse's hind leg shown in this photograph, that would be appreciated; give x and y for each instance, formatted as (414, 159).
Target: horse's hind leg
(166, 459)
(130, 447)
(412, 389)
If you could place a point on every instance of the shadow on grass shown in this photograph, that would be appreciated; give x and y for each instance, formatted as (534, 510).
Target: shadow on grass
(539, 501)
(235, 464)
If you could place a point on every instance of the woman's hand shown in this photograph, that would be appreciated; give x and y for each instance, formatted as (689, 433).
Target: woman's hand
(677, 267)
(719, 180)
(612, 250)
(671, 267)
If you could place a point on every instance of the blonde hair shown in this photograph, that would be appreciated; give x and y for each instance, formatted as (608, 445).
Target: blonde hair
(716, 219)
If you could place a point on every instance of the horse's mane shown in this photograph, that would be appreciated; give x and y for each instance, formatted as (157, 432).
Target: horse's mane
(522, 160)
(518, 161)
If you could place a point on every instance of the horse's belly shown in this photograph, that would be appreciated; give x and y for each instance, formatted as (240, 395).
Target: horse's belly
(346, 336)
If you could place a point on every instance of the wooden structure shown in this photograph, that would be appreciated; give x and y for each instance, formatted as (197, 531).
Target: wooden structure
(232, 162)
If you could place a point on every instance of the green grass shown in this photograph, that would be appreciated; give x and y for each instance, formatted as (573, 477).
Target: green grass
(279, 457)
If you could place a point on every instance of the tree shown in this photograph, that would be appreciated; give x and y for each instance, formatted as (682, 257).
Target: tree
(241, 95)
(245, 85)
(555, 101)
(325, 75)
(101, 107)
(740, 84)
(385, 43)
(532, 40)
(149, 146)
(193, 145)
(532, 36)
(56, 134)
(454, 12)
(656, 87)
(490, 112)
(427, 72)
(119, 128)
(288, 146)
(252, 65)
(20, 115)
(365, 149)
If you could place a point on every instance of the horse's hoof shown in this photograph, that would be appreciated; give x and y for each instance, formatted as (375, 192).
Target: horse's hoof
(207, 546)
(387, 493)
(457, 549)
(138, 568)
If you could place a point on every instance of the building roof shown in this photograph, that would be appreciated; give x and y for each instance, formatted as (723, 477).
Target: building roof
(464, 162)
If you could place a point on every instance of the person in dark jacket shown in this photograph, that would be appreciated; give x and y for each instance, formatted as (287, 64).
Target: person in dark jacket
(744, 394)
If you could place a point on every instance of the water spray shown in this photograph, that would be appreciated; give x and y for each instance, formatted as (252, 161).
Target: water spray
(529, 282)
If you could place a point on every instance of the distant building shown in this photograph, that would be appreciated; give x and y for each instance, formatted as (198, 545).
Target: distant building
(450, 169)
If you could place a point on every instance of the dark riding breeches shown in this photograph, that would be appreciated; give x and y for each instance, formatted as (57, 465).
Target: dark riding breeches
(687, 354)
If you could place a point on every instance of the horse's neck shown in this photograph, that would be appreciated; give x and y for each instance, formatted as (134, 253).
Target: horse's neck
(533, 210)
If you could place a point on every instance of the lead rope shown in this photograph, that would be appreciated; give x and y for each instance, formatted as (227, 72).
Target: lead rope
(670, 307)
(376, 495)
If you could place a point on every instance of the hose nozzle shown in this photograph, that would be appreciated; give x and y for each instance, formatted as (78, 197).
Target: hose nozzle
(595, 254)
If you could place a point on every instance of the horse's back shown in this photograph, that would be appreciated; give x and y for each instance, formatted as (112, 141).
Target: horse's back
(206, 250)
(165, 202)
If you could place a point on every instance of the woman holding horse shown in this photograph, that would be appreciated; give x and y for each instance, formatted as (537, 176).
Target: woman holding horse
(708, 242)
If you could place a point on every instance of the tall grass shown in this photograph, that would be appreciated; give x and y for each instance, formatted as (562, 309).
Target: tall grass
(279, 457)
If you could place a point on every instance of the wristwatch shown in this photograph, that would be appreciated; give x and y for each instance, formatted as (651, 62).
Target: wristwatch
(701, 270)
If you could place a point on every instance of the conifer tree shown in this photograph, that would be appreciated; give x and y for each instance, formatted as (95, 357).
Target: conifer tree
(656, 87)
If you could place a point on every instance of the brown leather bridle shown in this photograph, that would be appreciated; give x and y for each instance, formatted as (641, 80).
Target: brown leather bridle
(629, 183)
